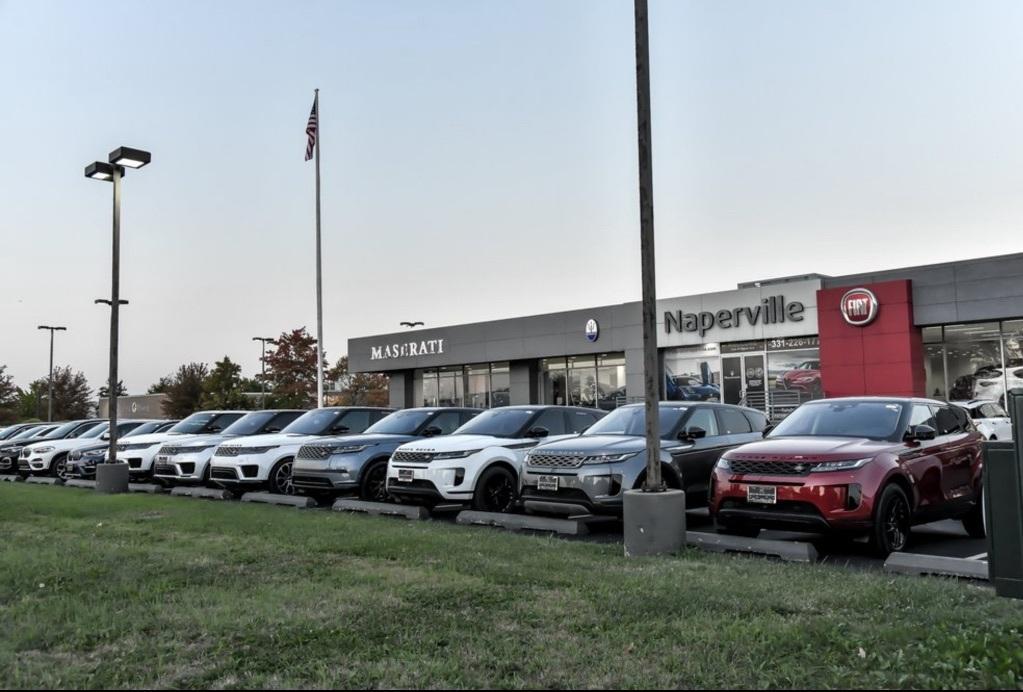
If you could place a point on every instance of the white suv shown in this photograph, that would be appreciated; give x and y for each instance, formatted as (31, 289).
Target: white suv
(188, 460)
(50, 457)
(267, 460)
(989, 418)
(140, 451)
(479, 463)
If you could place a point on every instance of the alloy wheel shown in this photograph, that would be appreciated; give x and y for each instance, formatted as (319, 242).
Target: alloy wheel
(376, 483)
(499, 493)
(896, 524)
(282, 479)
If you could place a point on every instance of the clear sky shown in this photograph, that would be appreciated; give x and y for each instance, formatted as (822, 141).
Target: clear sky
(479, 159)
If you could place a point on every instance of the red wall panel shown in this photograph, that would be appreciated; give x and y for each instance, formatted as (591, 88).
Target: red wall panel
(886, 357)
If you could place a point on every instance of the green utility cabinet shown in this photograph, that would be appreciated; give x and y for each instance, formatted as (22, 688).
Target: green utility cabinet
(1003, 493)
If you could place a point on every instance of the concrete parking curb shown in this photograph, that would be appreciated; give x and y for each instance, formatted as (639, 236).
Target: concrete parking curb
(151, 488)
(298, 501)
(915, 563)
(523, 522)
(381, 509)
(11, 478)
(44, 480)
(790, 551)
(204, 493)
(80, 483)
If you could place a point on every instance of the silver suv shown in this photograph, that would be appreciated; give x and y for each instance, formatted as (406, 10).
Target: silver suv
(588, 474)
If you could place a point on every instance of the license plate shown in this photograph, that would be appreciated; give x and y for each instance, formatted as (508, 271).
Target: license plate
(162, 459)
(405, 475)
(548, 483)
(762, 494)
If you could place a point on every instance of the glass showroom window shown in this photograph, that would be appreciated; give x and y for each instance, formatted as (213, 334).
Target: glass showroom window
(973, 361)
(430, 388)
(478, 381)
(582, 381)
(451, 386)
(796, 371)
(610, 381)
(480, 386)
(692, 373)
(500, 385)
(592, 381)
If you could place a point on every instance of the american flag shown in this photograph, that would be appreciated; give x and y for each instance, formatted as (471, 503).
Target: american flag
(310, 129)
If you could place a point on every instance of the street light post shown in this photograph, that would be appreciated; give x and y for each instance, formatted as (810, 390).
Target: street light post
(49, 395)
(262, 380)
(113, 478)
(654, 517)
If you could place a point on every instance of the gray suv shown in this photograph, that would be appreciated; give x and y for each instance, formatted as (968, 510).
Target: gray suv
(588, 474)
(359, 462)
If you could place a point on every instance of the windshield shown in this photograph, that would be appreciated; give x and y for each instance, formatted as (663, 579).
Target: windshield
(250, 423)
(145, 429)
(32, 432)
(96, 432)
(63, 430)
(874, 420)
(400, 423)
(315, 422)
(498, 423)
(631, 420)
(205, 422)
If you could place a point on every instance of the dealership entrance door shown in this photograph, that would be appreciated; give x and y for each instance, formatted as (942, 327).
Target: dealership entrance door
(744, 379)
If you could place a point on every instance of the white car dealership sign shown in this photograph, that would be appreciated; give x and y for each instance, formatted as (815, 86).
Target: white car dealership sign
(408, 349)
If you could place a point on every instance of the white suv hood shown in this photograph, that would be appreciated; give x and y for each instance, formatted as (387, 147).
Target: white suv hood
(65, 445)
(152, 438)
(461, 443)
(278, 439)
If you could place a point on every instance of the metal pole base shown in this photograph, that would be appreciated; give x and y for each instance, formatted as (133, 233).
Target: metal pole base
(112, 478)
(655, 523)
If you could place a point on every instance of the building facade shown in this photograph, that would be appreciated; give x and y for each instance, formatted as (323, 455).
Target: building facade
(951, 331)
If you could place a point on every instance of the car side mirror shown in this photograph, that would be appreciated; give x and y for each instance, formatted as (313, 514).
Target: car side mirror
(271, 431)
(921, 432)
(693, 433)
(538, 431)
(105, 436)
(432, 431)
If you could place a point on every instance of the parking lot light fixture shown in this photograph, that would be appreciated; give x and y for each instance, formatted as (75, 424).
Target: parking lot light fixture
(266, 340)
(130, 158)
(114, 478)
(49, 395)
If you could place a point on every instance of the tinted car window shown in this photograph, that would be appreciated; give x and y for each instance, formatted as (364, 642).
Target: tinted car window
(315, 422)
(250, 424)
(704, 419)
(757, 420)
(874, 420)
(357, 421)
(553, 419)
(733, 422)
(922, 415)
(400, 423)
(579, 421)
(447, 421)
(631, 420)
(947, 421)
(498, 422)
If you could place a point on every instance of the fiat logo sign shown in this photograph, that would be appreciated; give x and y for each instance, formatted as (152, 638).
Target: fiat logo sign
(859, 307)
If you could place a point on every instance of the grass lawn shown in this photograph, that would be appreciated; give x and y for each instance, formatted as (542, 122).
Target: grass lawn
(144, 591)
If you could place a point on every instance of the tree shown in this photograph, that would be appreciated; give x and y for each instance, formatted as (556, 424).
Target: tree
(359, 389)
(104, 391)
(223, 387)
(9, 397)
(291, 370)
(184, 390)
(72, 395)
(162, 386)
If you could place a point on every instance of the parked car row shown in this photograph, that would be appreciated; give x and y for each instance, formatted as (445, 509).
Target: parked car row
(871, 465)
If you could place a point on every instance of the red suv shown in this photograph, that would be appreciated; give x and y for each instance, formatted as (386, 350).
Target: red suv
(864, 465)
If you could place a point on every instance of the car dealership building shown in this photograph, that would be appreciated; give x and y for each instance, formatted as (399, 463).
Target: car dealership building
(950, 331)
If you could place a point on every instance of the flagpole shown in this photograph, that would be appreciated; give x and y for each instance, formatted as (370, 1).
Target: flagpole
(319, 276)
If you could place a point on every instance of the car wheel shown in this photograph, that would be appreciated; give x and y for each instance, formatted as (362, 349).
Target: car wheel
(496, 491)
(974, 522)
(892, 520)
(280, 478)
(374, 483)
(58, 467)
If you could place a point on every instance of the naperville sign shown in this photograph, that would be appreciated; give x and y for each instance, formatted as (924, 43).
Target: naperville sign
(409, 349)
(772, 310)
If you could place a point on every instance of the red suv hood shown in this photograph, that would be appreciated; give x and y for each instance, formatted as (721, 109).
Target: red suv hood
(810, 449)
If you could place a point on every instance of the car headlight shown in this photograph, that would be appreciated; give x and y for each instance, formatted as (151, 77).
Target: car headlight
(350, 449)
(43, 450)
(841, 465)
(260, 450)
(608, 458)
(723, 464)
(455, 455)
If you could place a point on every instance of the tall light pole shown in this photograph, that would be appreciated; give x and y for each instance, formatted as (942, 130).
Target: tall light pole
(654, 518)
(113, 478)
(266, 340)
(49, 395)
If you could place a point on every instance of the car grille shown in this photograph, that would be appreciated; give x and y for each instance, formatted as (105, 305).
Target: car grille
(772, 468)
(125, 447)
(227, 451)
(224, 474)
(317, 452)
(172, 451)
(311, 481)
(165, 470)
(555, 461)
(413, 457)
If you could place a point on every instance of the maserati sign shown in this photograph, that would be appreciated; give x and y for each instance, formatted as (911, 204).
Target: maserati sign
(409, 349)
(859, 307)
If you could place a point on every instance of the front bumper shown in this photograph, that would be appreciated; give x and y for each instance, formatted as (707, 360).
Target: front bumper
(585, 490)
(818, 502)
(318, 476)
(182, 468)
(448, 481)
(81, 469)
(246, 469)
(8, 463)
(140, 461)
